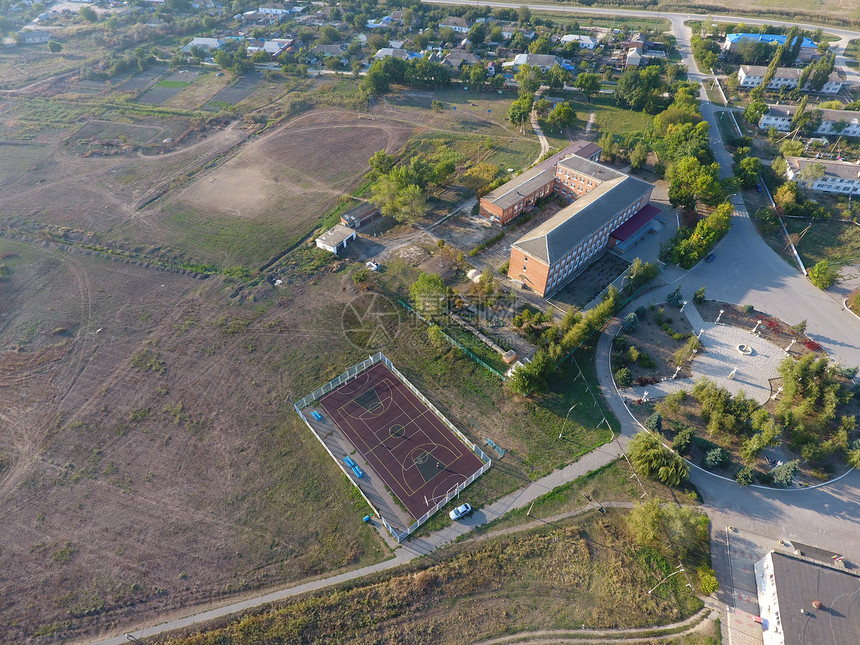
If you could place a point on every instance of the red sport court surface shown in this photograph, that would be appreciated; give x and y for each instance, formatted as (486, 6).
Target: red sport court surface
(408, 446)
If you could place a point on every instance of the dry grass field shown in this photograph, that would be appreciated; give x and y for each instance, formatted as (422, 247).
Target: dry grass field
(151, 457)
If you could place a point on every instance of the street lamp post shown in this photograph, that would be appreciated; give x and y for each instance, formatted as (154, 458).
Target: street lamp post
(565, 419)
(680, 570)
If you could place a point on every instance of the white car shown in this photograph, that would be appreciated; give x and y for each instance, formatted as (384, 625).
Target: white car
(460, 512)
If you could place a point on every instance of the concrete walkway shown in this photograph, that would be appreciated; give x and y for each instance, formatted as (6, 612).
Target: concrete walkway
(722, 362)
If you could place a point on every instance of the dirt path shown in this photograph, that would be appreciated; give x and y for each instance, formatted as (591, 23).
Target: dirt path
(635, 635)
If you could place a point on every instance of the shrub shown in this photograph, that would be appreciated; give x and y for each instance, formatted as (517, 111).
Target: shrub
(699, 296)
(715, 458)
(641, 312)
(748, 309)
(654, 422)
(686, 352)
(675, 298)
(619, 342)
(822, 275)
(708, 580)
(504, 268)
(782, 476)
(630, 322)
(744, 476)
(683, 439)
(623, 377)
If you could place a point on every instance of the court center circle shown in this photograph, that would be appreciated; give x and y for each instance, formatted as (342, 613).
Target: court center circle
(397, 431)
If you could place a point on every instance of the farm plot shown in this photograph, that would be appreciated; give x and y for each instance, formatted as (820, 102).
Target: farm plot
(235, 93)
(169, 87)
(142, 81)
(98, 133)
(274, 192)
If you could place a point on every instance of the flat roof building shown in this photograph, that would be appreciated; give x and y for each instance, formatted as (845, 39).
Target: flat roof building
(806, 603)
(336, 239)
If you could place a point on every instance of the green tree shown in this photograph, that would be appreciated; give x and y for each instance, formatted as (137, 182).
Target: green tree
(562, 116)
(329, 35)
(411, 204)
(383, 195)
(477, 34)
(588, 84)
(519, 112)
(429, 295)
(689, 178)
(381, 163)
(54, 47)
(638, 156)
(89, 14)
(478, 75)
(540, 46)
(557, 77)
(528, 78)
(748, 170)
(651, 459)
(822, 275)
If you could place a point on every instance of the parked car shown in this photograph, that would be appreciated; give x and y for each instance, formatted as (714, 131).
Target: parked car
(460, 512)
(711, 257)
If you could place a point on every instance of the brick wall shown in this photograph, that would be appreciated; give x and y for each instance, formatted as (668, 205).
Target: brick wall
(535, 274)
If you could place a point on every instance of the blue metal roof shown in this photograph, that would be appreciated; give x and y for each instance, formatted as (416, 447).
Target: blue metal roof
(767, 38)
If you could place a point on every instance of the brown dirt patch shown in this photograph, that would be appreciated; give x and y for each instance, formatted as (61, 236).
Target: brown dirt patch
(651, 339)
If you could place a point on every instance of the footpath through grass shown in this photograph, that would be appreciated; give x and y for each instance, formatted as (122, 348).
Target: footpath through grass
(592, 573)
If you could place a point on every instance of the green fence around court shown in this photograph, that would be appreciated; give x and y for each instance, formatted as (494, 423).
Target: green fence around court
(453, 341)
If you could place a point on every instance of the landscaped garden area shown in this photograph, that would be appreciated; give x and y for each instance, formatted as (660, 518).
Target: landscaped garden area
(804, 432)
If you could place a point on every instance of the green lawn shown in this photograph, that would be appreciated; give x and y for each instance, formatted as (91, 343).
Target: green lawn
(608, 117)
(836, 242)
(852, 51)
(172, 84)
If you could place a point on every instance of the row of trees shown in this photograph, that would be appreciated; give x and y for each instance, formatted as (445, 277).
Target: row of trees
(687, 247)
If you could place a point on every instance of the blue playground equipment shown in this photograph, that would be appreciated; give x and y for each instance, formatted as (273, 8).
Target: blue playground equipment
(316, 415)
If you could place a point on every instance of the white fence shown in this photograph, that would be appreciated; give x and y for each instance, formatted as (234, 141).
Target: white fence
(354, 371)
(342, 466)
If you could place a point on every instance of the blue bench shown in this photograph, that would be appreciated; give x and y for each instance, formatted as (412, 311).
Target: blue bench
(349, 462)
(316, 415)
(358, 471)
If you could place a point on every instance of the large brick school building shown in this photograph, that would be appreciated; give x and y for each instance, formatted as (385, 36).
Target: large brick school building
(609, 209)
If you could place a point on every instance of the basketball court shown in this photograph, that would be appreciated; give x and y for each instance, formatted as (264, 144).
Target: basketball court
(409, 447)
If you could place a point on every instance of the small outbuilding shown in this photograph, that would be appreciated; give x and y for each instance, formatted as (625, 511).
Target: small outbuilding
(360, 215)
(335, 240)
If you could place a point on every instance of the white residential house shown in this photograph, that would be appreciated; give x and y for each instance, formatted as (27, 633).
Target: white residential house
(544, 61)
(585, 42)
(456, 23)
(834, 123)
(784, 78)
(634, 58)
(34, 36)
(508, 32)
(402, 54)
(840, 177)
(273, 10)
(273, 48)
(208, 44)
(336, 239)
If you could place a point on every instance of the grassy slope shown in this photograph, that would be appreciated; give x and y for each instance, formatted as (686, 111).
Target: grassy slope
(524, 581)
